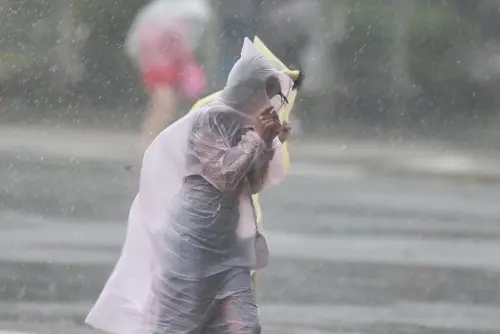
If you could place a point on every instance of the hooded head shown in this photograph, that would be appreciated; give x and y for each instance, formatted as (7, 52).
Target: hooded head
(254, 84)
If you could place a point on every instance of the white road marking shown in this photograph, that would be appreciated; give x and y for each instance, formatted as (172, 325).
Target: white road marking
(94, 243)
(340, 171)
(429, 315)
(464, 317)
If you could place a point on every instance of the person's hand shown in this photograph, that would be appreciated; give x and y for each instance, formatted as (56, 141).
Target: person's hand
(267, 125)
(275, 129)
(285, 130)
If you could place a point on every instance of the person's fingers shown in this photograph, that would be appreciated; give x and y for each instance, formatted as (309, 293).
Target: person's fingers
(275, 115)
(272, 120)
(266, 111)
(265, 117)
(286, 126)
(268, 123)
(272, 129)
(275, 127)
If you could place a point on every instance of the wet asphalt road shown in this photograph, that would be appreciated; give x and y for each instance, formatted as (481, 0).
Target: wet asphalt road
(352, 252)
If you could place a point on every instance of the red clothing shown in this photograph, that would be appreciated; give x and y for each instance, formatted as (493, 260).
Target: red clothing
(161, 76)
(164, 53)
(167, 61)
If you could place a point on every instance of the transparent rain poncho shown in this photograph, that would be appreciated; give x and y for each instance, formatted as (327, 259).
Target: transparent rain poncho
(192, 236)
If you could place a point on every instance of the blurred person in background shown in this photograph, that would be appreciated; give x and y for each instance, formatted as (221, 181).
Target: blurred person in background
(161, 42)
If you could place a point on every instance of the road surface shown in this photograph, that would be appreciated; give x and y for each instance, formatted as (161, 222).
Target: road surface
(352, 252)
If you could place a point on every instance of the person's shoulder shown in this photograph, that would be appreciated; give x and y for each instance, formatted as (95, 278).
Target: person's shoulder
(206, 116)
(218, 117)
(210, 99)
(214, 111)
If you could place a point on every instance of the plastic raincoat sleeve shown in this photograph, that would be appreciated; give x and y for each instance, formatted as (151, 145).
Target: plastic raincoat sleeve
(260, 168)
(222, 165)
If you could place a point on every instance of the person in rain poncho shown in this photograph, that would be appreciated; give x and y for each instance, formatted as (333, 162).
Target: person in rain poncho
(297, 78)
(160, 42)
(193, 237)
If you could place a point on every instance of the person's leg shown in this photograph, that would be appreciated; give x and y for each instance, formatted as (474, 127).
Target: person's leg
(159, 114)
(184, 304)
(241, 314)
(237, 313)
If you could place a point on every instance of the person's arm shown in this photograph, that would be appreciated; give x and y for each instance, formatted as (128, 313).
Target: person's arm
(222, 165)
(260, 169)
(270, 169)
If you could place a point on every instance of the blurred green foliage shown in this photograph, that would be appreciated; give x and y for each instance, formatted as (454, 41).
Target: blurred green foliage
(108, 19)
(107, 67)
(434, 38)
(17, 61)
(361, 56)
(435, 35)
